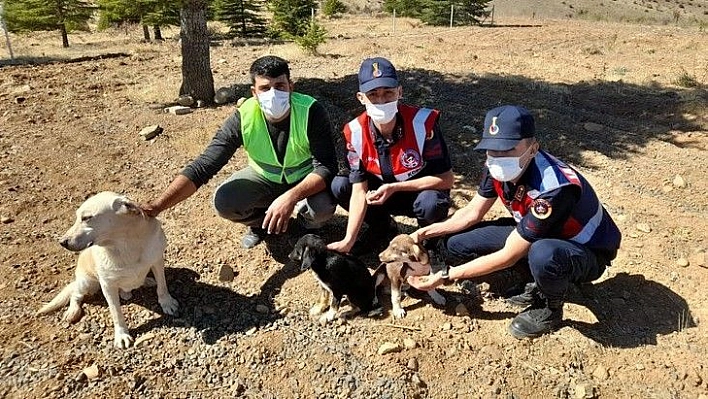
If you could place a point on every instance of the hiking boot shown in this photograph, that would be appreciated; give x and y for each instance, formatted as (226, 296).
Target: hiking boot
(526, 298)
(544, 316)
(375, 238)
(253, 236)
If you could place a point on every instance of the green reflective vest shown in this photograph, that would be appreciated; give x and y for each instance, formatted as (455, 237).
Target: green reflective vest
(259, 147)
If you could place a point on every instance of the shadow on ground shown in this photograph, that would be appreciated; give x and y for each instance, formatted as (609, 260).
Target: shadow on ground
(631, 311)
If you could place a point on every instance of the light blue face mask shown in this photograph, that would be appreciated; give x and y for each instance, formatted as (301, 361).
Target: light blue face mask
(506, 168)
(274, 103)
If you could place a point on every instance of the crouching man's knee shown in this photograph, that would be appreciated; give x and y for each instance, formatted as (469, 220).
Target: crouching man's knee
(313, 212)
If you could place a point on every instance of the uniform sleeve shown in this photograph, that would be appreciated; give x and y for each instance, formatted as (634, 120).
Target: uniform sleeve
(219, 151)
(435, 154)
(357, 172)
(486, 186)
(551, 211)
(319, 134)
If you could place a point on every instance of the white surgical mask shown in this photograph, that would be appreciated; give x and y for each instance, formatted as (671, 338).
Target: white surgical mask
(274, 103)
(506, 168)
(382, 113)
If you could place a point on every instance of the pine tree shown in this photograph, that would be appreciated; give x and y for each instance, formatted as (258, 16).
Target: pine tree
(145, 12)
(437, 12)
(291, 18)
(242, 16)
(34, 15)
(197, 78)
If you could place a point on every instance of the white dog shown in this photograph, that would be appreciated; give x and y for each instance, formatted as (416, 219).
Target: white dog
(119, 244)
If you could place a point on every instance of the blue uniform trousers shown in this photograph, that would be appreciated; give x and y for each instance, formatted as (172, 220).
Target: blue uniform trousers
(427, 206)
(553, 263)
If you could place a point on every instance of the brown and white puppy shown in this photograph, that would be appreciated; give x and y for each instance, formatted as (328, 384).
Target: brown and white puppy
(403, 258)
(119, 245)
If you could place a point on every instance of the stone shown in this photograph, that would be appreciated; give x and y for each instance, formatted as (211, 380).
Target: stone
(600, 373)
(252, 331)
(389, 347)
(461, 310)
(446, 326)
(142, 339)
(226, 273)
(409, 343)
(262, 309)
(92, 372)
(185, 100)
(683, 262)
(178, 110)
(698, 259)
(412, 364)
(593, 127)
(225, 95)
(679, 181)
(415, 379)
(6, 220)
(150, 132)
(643, 227)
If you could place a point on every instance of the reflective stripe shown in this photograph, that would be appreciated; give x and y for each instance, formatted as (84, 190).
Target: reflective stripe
(589, 229)
(419, 127)
(356, 138)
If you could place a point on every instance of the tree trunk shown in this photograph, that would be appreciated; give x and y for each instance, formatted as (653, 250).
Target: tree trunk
(146, 32)
(197, 80)
(64, 36)
(157, 32)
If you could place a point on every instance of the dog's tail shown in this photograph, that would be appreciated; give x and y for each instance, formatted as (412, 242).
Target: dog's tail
(60, 300)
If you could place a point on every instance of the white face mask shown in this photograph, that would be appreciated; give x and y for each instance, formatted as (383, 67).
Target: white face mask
(382, 113)
(274, 103)
(506, 168)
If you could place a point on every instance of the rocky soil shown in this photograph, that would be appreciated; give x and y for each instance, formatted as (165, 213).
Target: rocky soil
(608, 98)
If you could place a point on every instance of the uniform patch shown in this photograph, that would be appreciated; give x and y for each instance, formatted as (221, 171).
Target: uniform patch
(520, 191)
(541, 208)
(410, 159)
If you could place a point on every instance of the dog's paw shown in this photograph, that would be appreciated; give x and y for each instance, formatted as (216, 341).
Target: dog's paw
(398, 313)
(317, 309)
(169, 305)
(73, 314)
(437, 297)
(125, 295)
(122, 340)
(328, 317)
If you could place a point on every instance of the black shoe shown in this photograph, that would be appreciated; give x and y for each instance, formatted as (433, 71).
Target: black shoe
(526, 298)
(540, 318)
(253, 236)
(375, 238)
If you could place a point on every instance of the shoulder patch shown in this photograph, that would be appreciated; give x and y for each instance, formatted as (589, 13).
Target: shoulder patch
(541, 208)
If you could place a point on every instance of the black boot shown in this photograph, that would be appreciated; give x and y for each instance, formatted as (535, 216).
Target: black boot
(526, 298)
(253, 236)
(544, 316)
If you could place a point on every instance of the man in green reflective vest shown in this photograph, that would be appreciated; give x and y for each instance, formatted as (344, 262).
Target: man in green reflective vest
(287, 137)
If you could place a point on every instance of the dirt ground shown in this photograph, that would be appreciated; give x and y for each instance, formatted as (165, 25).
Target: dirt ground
(609, 98)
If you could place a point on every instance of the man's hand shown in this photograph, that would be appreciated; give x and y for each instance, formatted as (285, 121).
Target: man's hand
(419, 235)
(380, 195)
(278, 214)
(426, 283)
(343, 246)
(150, 209)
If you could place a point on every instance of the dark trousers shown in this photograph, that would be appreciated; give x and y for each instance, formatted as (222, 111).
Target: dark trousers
(246, 195)
(553, 263)
(427, 206)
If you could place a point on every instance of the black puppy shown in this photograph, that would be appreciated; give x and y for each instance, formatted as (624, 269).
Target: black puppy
(338, 275)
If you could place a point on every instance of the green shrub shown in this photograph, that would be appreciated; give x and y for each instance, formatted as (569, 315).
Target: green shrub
(315, 35)
(331, 8)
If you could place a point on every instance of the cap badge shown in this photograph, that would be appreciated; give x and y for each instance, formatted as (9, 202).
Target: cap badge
(377, 72)
(494, 129)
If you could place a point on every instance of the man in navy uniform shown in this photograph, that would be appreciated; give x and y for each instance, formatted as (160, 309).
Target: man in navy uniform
(558, 223)
(398, 160)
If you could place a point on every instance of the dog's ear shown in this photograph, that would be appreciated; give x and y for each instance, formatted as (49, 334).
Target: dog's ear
(124, 206)
(307, 258)
(419, 254)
